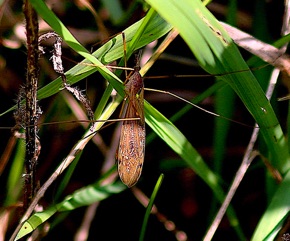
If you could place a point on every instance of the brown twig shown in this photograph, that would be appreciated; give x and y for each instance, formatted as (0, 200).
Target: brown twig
(32, 111)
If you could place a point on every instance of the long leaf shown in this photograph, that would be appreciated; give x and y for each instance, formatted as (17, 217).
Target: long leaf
(83, 197)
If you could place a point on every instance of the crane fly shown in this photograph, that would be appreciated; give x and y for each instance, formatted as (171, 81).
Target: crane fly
(130, 155)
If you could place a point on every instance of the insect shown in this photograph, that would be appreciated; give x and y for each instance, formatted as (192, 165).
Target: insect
(130, 154)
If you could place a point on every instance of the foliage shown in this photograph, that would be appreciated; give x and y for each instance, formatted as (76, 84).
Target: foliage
(183, 155)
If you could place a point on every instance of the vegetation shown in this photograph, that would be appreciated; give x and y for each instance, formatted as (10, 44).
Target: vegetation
(191, 158)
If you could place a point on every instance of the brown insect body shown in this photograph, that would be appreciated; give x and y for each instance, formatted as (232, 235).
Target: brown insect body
(132, 140)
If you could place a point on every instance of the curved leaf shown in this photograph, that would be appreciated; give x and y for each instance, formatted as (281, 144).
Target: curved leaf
(83, 197)
(276, 213)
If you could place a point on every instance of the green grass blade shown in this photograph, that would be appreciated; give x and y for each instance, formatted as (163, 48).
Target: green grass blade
(67, 177)
(114, 7)
(82, 197)
(149, 207)
(276, 212)
(14, 182)
(34, 221)
(224, 105)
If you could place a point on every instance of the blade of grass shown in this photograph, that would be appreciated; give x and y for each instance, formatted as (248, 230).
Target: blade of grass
(65, 180)
(149, 207)
(82, 197)
(114, 7)
(276, 212)
(14, 180)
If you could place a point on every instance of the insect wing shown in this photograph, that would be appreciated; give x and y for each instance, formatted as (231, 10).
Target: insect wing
(132, 140)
